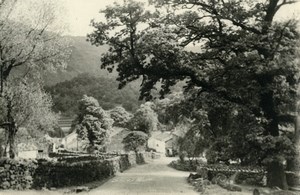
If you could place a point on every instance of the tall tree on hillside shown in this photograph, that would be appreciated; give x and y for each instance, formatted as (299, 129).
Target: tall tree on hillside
(92, 124)
(25, 105)
(245, 57)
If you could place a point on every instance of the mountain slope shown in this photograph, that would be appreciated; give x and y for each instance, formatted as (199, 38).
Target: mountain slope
(65, 95)
(84, 58)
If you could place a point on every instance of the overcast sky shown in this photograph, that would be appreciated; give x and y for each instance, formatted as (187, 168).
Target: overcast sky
(80, 12)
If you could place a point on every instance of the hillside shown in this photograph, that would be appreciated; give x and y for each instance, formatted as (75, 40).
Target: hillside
(84, 58)
(65, 95)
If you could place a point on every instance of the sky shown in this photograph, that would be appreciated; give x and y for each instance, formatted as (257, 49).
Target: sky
(78, 13)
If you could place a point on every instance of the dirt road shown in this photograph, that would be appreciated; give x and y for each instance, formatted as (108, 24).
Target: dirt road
(153, 178)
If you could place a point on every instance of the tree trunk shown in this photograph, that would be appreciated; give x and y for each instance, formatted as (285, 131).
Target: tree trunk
(11, 141)
(11, 129)
(293, 165)
(276, 175)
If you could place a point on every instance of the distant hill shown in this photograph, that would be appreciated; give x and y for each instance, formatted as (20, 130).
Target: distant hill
(84, 58)
(65, 95)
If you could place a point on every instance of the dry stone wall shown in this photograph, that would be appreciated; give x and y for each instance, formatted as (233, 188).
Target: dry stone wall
(30, 174)
(16, 174)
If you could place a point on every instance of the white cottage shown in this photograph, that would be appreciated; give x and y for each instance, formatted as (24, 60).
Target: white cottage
(28, 151)
(159, 141)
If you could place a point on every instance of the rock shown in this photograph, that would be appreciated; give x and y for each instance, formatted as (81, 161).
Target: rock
(81, 189)
(2, 174)
(206, 182)
(28, 178)
(194, 176)
(235, 188)
(7, 166)
(13, 183)
(28, 187)
(5, 185)
(203, 172)
(18, 187)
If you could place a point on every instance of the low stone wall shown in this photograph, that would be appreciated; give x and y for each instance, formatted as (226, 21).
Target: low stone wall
(38, 174)
(16, 174)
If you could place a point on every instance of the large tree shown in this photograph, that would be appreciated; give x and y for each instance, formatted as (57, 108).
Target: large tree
(144, 119)
(30, 41)
(120, 116)
(92, 124)
(135, 141)
(244, 57)
(25, 105)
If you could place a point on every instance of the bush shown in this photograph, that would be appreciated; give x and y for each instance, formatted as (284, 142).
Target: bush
(186, 165)
(182, 156)
(293, 179)
(245, 175)
(250, 178)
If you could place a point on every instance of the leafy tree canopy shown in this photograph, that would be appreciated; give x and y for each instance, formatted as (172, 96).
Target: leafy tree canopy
(120, 116)
(135, 141)
(92, 124)
(245, 58)
(25, 105)
(144, 119)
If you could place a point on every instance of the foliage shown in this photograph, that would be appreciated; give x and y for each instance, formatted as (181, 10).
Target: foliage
(26, 105)
(187, 165)
(135, 141)
(92, 124)
(144, 119)
(31, 41)
(192, 143)
(245, 59)
(66, 94)
(120, 116)
(250, 179)
(30, 44)
(169, 110)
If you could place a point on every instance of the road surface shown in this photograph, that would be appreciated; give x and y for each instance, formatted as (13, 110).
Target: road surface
(153, 178)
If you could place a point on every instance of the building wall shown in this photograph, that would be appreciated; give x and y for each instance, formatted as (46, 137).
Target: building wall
(158, 145)
(70, 141)
(169, 143)
(28, 154)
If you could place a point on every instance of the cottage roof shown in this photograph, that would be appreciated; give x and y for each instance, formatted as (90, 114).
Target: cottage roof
(162, 136)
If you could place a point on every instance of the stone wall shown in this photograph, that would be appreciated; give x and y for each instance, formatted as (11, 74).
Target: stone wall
(16, 174)
(27, 174)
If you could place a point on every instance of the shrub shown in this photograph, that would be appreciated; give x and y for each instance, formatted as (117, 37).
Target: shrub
(186, 165)
(250, 178)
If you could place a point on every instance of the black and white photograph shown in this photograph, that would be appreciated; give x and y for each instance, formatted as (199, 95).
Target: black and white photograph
(150, 97)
